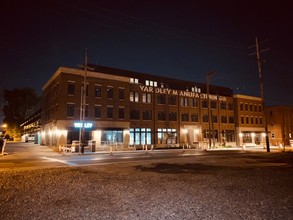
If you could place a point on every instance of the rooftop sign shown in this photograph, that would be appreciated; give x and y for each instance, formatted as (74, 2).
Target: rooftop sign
(190, 94)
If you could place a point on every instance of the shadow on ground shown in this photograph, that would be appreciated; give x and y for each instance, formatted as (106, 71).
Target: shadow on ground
(178, 168)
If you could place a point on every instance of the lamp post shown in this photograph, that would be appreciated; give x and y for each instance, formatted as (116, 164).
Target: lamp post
(208, 78)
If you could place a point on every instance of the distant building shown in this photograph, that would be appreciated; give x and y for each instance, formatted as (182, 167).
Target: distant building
(134, 109)
(249, 121)
(280, 125)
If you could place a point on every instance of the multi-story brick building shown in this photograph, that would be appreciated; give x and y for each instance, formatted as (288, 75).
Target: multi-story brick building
(249, 121)
(133, 108)
(280, 125)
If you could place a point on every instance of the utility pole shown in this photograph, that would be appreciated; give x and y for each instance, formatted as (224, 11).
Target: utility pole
(259, 64)
(209, 77)
(83, 107)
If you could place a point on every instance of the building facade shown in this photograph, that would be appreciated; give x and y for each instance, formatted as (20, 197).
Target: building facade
(134, 109)
(249, 121)
(280, 125)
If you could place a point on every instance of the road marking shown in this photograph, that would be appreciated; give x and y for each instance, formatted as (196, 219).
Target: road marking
(60, 161)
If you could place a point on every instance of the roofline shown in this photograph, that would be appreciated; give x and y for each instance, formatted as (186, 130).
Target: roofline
(241, 96)
(81, 72)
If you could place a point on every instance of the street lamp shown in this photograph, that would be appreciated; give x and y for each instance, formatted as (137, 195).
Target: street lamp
(208, 78)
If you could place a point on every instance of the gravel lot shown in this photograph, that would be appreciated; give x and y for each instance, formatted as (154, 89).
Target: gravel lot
(247, 186)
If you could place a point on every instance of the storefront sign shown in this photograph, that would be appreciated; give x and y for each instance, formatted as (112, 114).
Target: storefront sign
(83, 125)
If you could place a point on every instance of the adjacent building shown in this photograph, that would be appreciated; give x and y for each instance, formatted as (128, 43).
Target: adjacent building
(280, 125)
(249, 121)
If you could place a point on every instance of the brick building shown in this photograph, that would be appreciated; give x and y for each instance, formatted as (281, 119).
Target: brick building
(280, 125)
(133, 108)
(249, 121)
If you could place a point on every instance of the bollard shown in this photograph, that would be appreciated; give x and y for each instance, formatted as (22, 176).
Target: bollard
(110, 149)
(152, 147)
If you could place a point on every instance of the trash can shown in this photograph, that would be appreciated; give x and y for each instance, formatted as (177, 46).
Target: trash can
(92, 145)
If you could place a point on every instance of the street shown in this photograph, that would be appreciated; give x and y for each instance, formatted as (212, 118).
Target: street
(25, 156)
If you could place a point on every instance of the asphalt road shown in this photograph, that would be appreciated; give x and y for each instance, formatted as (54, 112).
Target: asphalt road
(28, 156)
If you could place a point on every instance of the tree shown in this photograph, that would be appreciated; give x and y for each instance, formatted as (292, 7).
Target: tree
(19, 103)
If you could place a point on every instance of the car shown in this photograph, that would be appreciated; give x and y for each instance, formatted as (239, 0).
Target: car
(30, 138)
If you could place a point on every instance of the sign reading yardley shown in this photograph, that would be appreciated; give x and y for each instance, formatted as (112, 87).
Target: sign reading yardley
(180, 93)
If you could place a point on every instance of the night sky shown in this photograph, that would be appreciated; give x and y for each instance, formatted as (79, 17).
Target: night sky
(179, 39)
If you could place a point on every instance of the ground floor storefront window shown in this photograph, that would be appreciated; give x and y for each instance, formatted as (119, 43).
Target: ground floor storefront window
(74, 135)
(140, 136)
(167, 136)
(112, 136)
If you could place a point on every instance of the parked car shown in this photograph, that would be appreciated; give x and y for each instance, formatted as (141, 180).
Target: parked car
(30, 138)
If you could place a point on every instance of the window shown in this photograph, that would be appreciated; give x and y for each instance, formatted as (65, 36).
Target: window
(110, 92)
(134, 114)
(213, 104)
(251, 120)
(146, 98)
(134, 97)
(250, 107)
(241, 106)
(161, 99)
(121, 112)
(246, 137)
(231, 119)
(259, 108)
(247, 120)
(172, 100)
(223, 119)
(260, 121)
(223, 105)
(70, 110)
(205, 118)
(246, 107)
(98, 91)
(140, 136)
(256, 120)
(184, 101)
(255, 108)
(230, 106)
(172, 116)
(194, 117)
(70, 88)
(194, 102)
(204, 103)
(110, 112)
(97, 111)
(134, 80)
(242, 119)
(121, 93)
(161, 116)
(147, 115)
(185, 117)
(167, 135)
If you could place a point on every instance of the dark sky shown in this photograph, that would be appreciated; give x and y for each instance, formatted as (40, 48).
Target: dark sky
(179, 39)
